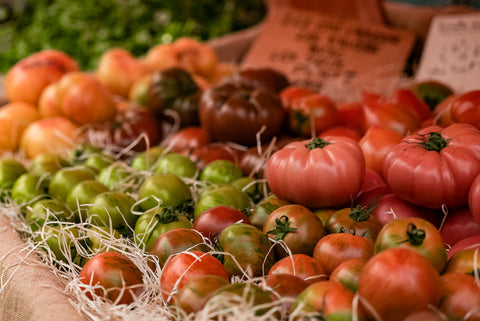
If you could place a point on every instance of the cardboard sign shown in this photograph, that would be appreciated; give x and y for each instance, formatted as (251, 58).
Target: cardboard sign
(330, 54)
(452, 52)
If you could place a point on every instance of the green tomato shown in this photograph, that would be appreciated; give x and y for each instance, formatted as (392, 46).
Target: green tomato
(99, 161)
(63, 181)
(163, 190)
(227, 195)
(58, 241)
(254, 188)
(264, 208)
(112, 209)
(47, 210)
(146, 160)
(100, 237)
(249, 247)
(177, 164)
(47, 164)
(10, 171)
(155, 222)
(119, 177)
(80, 153)
(221, 171)
(29, 187)
(83, 193)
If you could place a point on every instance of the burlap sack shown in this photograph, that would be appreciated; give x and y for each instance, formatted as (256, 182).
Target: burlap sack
(28, 288)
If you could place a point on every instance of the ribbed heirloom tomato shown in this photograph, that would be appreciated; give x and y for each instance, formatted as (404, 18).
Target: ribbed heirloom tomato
(317, 173)
(435, 166)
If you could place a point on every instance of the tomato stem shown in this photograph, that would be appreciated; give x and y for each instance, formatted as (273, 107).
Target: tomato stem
(416, 236)
(281, 228)
(434, 142)
(360, 213)
(317, 143)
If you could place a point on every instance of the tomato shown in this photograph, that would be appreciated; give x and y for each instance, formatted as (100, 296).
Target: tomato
(373, 189)
(286, 288)
(10, 170)
(303, 266)
(174, 241)
(195, 294)
(28, 188)
(351, 115)
(360, 221)
(376, 143)
(185, 267)
(247, 250)
(297, 226)
(113, 276)
(458, 224)
(187, 139)
(340, 131)
(146, 160)
(333, 249)
(348, 272)
(254, 188)
(163, 190)
(471, 242)
(460, 296)
(311, 114)
(416, 234)
(407, 99)
(134, 128)
(290, 93)
(264, 208)
(47, 210)
(156, 221)
(432, 92)
(59, 241)
(474, 199)
(237, 113)
(388, 115)
(46, 164)
(268, 78)
(221, 171)
(317, 173)
(36, 72)
(442, 115)
(391, 207)
(65, 179)
(82, 194)
(211, 222)
(435, 167)
(426, 314)
(112, 209)
(466, 261)
(397, 282)
(325, 299)
(206, 154)
(177, 164)
(227, 195)
(464, 108)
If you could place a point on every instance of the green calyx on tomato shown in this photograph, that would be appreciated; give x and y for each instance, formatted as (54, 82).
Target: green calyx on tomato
(434, 142)
(360, 213)
(317, 143)
(281, 228)
(416, 236)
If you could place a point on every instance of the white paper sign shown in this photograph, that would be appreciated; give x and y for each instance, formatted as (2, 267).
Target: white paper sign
(452, 52)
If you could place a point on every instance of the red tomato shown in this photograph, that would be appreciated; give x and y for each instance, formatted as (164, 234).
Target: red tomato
(114, 276)
(185, 267)
(471, 242)
(351, 115)
(376, 143)
(187, 139)
(348, 272)
(317, 173)
(373, 188)
(459, 224)
(203, 155)
(416, 234)
(295, 225)
(286, 287)
(333, 249)
(391, 207)
(460, 297)
(397, 282)
(290, 93)
(435, 167)
(340, 131)
(326, 299)
(212, 221)
(311, 114)
(474, 199)
(441, 114)
(388, 115)
(411, 102)
(465, 108)
(303, 266)
(465, 261)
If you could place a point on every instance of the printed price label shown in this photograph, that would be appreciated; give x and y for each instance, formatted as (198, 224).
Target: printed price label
(452, 52)
(322, 53)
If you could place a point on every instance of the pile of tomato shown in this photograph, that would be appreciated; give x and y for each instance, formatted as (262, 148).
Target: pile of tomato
(253, 188)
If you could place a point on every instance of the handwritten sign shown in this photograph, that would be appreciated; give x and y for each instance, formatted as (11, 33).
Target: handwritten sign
(452, 52)
(323, 53)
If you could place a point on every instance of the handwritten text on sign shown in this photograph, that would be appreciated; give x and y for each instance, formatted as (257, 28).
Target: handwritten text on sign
(312, 50)
(452, 52)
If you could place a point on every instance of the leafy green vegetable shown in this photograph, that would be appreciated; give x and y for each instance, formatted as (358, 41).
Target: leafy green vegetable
(85, 29)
